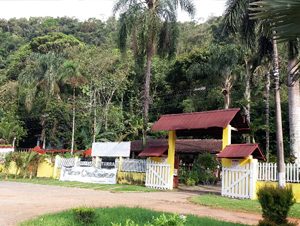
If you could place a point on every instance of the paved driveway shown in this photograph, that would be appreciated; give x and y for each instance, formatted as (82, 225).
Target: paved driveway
(21, 201)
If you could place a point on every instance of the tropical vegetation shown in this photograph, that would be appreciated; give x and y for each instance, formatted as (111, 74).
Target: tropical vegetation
(65, 83)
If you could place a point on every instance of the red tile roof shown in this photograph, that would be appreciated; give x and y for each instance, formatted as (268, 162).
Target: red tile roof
(182, 145)
(239, 151)
(202, 120)
(153, 152)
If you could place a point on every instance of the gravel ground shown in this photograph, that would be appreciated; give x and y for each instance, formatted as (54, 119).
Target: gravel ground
(22, 201)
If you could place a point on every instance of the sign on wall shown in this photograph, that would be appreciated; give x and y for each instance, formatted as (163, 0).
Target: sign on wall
(89, 175)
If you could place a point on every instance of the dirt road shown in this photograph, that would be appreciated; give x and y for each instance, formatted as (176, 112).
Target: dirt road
(20, 201)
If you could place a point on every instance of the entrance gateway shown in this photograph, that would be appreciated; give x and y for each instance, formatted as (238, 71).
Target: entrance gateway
(218, 124)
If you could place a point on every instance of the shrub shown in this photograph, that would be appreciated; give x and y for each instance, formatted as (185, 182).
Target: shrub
(203, 169)
(164, 220)
(276, 203)
(84, 215)
(190, 181)
(128, 222)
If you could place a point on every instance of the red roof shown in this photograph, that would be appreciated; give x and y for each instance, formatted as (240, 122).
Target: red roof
(182, 145)
(153, 152)
(39, 150)
(88, 152)
(202, 120)
(238, 151)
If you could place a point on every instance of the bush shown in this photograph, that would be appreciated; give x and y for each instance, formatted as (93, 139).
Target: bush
(190, 181)
(203, 169)
(276, 203)
(84, 215)
(164, 220)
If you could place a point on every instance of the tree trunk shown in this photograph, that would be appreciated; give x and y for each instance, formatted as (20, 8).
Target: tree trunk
(294, 103)
(95, 118)
(73, 124)
(279, 133)
(226, 91)
(267, 114)
(150, 52)
(247, 93)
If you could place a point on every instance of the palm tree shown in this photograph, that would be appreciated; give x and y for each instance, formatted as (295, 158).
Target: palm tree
(72, 77)
(237, 16)
(285, 20)
(41, 74)
(284, 15)
(152, 23)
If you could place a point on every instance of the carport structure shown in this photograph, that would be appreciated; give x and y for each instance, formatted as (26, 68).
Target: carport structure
(218, 123)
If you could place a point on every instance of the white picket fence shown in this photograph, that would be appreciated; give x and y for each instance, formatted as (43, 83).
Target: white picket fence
(158, 176)
(133, 165)
(268, 172)
(239, 181)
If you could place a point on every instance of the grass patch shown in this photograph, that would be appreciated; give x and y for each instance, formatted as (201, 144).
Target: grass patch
(105, 217)
(104, 187)
(245, 205)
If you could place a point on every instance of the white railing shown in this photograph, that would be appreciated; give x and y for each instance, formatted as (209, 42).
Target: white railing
(268, 172)
(158, 176)
(85, 163)
(292, 173)
(133, 165)
(64, 162)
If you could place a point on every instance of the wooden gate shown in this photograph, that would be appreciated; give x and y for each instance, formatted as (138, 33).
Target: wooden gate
(158, 175)
(239, 181)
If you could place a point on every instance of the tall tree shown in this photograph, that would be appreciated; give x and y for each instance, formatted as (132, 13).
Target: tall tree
(284, 17)
(73, 77)
(238, 16)
(152, 23)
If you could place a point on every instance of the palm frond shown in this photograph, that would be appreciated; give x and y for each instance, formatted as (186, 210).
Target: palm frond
(234, 13)
(283, 14)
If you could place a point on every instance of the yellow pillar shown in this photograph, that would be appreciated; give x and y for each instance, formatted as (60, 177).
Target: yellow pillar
(226, 139)
(171, 153)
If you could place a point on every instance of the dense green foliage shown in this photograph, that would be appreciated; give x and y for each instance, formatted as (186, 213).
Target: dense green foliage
(47, 65)
(203, 171)
(119, 216)
(276, 203)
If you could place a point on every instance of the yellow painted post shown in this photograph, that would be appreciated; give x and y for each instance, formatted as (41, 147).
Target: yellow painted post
(226, 139)
(171, 154)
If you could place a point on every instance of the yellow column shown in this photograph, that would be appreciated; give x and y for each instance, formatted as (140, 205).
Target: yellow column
(171, 153)
(226, 139)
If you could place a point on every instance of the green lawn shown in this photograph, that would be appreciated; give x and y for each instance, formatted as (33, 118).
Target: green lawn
(106, 187)
(107, 216)
(245, 205)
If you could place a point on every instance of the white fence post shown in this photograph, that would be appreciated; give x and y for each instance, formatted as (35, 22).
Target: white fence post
(253, 178)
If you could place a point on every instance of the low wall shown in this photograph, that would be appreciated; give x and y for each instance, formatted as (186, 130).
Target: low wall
(131, 178)
(11, 170)
(295, 187)
(45, 169)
